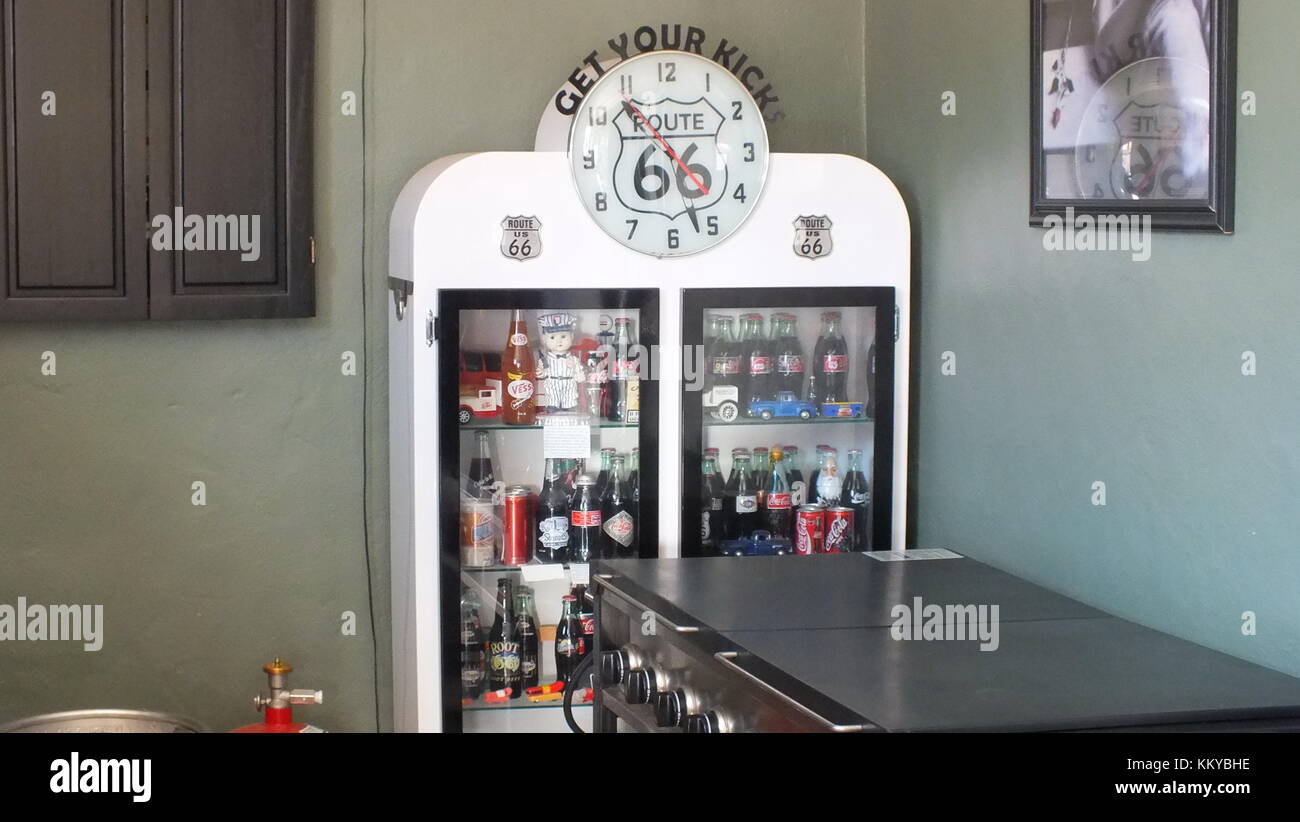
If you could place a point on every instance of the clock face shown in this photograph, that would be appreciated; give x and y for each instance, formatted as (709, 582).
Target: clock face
(1146, 134)
(669, 153)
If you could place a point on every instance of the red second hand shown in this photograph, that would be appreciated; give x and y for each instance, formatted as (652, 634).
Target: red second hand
(627, 101)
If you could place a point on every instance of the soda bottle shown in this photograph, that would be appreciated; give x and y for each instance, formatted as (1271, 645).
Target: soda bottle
(711, 326)
(481, 481)
(634, 489)
(856, 494)
(553, 516)
(596, 366)
(758, 362)
(729, 490)
(871, 381)
(830, 367)
(710, 505)
(726, 356)
(503, 643)
(794, 477)
(588, 619)
(530, 667)
(624, 374)
(473, 658)
(790, 365)
(602, 476)
(778, 513)
(519, 406)
(812, 481)
(568, 640)
(616, 515)
(758, 475)
(584, 522)
(829, 482)
(740, 505)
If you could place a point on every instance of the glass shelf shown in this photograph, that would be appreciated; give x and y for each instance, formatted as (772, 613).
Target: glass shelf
(488, 424)
(505, 569)
(520, 704)
(741, 421)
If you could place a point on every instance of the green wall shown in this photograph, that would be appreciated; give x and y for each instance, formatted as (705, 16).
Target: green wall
(1086, 366)
(97, 462)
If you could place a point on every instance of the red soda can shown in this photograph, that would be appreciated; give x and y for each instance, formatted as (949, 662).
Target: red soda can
(808, 525)
(517, 531)
(839, 531)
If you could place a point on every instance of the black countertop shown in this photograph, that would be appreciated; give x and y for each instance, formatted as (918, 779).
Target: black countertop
(1059, 664)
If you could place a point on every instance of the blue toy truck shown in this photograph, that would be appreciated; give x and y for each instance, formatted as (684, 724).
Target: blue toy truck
(786, 404)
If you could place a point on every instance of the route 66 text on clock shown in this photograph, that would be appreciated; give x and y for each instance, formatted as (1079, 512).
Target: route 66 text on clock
(669, 153)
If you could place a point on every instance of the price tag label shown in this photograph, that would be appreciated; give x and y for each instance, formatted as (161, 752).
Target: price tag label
(580, 573)
(566, 437)
(541, 573)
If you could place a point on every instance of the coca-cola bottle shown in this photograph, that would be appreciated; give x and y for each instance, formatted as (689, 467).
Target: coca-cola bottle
(778, 514)
(710, 505)
(790, 364)
(530, 662)
(553, 516)
(503, 643)
(585, 534)
(624, 374)
(760, 465)
(595, 365)
(634, 489)
(711, 325)
(856, 494)
(757, 363)
(829, 482)
(519, 405)
(587, 616)
(473, 655)
(830, 367)
(794, 477)
(616, 515)
(740, 502)
(568, 640)
(726, 356)
(480, 482)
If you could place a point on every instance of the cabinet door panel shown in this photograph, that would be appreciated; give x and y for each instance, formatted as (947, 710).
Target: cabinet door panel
(73, 160)
(230, 148)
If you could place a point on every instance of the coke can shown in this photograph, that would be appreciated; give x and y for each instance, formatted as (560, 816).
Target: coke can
(517, 526)
(477, 533)
(839, 530)
(808, 525)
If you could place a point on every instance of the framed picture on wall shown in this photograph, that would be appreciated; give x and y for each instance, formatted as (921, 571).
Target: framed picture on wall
(1133, 110)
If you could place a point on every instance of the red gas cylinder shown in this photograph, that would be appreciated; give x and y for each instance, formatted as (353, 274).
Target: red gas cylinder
(279, 705)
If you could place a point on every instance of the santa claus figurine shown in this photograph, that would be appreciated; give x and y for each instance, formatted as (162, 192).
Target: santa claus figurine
(559, 371)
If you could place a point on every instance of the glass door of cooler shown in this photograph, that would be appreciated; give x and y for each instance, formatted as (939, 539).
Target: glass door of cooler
(787, 420)
(547, 415)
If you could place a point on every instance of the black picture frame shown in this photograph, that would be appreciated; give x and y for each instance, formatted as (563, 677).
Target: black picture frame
(1213, 214)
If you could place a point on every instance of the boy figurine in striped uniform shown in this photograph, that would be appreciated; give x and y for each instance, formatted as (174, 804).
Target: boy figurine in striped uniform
(560, 371)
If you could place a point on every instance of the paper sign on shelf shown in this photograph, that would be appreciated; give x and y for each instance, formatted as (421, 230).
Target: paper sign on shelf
(541, 573)
(580, 573)
(566, 437)
(915, 553)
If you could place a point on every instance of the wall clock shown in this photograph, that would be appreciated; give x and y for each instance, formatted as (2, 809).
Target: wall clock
(668, 153)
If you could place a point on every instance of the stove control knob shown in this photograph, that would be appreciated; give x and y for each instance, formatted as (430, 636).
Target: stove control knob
(706, 723)
(671, 708)
(641, 686)
(613, 667)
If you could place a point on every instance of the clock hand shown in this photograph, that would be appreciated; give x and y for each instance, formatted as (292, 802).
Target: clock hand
(633, 111)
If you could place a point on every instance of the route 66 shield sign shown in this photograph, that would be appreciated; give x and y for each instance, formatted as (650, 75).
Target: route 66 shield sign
(812, 237)
(668, 157)
(521, 237)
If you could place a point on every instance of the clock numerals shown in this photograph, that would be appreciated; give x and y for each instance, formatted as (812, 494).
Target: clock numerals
(625, 84)
(589, 160)
(749, 152)
(632, 231)
(602, 202)
(737, 110)
(597, 116)
(712, 224)
(739, 194)
(668, 72)
(674, 240)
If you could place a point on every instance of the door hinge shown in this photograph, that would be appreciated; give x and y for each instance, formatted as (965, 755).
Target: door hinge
(311, 242)
(897, 322)
(402, 291)
(430, 329)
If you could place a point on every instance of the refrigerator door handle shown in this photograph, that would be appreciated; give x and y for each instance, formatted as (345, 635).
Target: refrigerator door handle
(728, 658)
(681, 629)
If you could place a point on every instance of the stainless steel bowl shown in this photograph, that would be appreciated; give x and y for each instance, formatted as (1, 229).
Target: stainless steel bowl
(103, 722)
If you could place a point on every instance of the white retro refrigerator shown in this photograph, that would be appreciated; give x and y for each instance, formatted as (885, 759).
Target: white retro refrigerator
(636, 363)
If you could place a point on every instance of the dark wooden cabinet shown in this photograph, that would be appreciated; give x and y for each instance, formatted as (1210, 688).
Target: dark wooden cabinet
(173, 178)
(72, 239)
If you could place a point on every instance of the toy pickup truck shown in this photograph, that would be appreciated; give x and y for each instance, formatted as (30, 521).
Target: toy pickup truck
(841, 409)
(786, 404)
(723, 401)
